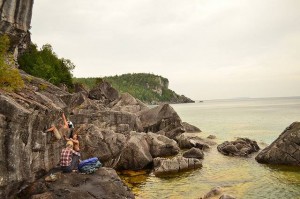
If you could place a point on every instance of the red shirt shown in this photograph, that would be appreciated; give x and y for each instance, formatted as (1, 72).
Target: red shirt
(66, 156)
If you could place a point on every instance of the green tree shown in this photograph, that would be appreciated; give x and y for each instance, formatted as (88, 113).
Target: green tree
(44, 63)
(10, 78)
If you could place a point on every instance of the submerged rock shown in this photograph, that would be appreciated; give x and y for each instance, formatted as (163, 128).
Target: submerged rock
(211, 137)
(213, 192)
(226, 196)
(174, 165)
(285, 149)
(239, 147)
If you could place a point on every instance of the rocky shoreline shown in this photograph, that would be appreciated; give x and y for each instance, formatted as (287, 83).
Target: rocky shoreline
(118, 129)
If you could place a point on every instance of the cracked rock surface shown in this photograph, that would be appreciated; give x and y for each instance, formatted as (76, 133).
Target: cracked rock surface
(285, 149)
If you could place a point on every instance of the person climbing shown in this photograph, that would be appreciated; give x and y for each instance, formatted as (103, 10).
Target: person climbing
(64, 130)
(69, 158)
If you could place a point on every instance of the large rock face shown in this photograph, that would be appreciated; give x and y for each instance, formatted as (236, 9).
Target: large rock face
(285, 149)
(26, 151)
(15, 22)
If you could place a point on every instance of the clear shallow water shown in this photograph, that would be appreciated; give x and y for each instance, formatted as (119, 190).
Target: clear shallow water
(259, 119)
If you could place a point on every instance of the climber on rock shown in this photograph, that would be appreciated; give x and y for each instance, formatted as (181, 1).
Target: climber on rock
(64, 130)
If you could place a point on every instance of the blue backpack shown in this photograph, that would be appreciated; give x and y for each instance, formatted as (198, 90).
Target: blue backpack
(89, 165)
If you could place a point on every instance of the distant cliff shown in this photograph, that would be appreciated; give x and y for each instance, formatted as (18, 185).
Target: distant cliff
(15, 22)
(149, 88)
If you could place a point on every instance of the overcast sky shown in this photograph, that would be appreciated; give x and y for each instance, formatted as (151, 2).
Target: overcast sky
(208, 49)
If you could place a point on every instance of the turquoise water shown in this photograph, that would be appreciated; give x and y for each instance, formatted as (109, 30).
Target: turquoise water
(259, 119)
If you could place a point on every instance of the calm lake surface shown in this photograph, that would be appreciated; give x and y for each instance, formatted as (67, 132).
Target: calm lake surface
(259, 119)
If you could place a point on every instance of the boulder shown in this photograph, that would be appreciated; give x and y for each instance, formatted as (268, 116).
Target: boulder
(175, 165)
(127, 103)
(104, 92)
(162, 119)
(104, 144)
(161, 146)
(194, 153)
(190, 128)
(104, 183)
(285, 150)
(136, 153)
(239, 147)
(186, 141)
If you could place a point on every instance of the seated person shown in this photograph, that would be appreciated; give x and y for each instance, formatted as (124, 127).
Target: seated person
(69, 158)
(64, 130)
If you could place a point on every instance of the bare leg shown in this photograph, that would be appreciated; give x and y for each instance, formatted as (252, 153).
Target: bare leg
(52, 128)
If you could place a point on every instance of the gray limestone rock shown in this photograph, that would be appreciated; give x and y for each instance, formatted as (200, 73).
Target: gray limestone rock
(174, 165)
(239, 147)
(285, 150)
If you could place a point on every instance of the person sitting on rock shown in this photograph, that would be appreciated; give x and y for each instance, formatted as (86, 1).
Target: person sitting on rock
(75, 141)
(69, 158)
(64, 130)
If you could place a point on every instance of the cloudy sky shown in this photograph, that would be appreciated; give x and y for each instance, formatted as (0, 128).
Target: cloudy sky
(208, 49)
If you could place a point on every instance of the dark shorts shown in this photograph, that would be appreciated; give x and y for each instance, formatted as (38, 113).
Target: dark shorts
(66, 169)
